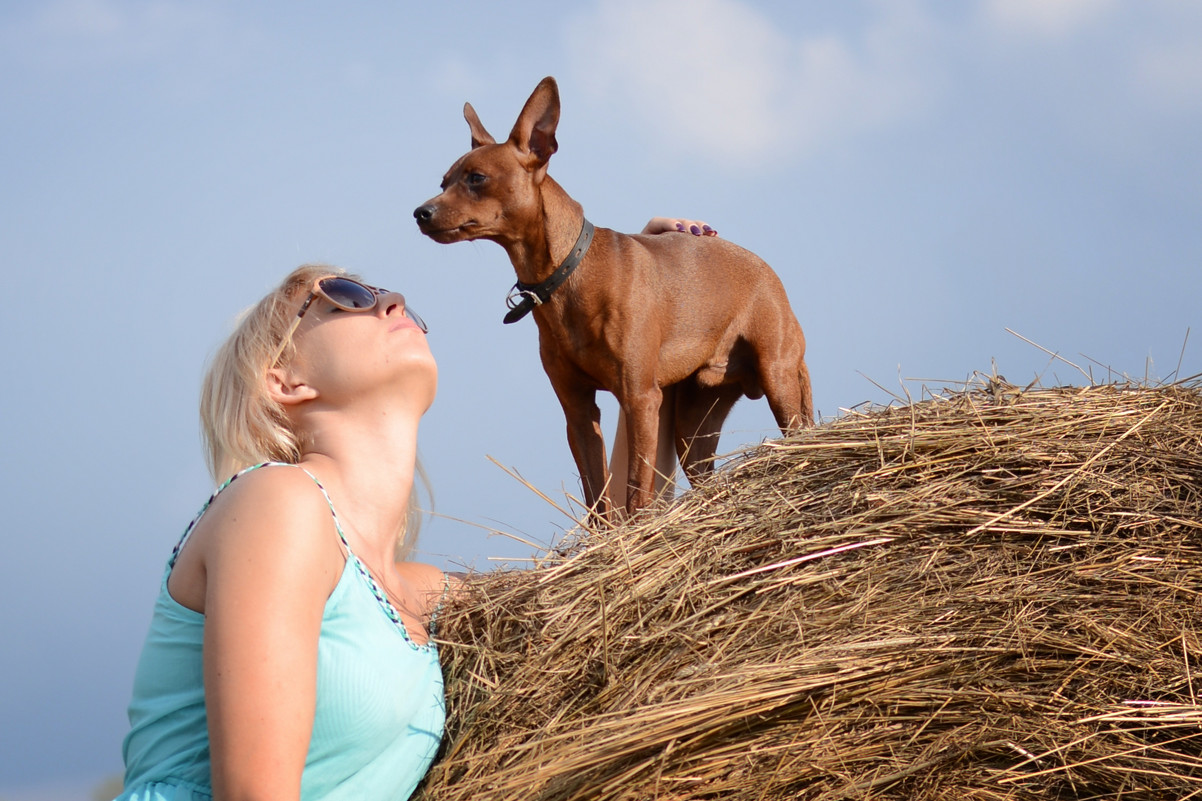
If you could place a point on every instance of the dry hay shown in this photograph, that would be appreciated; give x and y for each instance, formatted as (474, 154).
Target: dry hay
(991, 594)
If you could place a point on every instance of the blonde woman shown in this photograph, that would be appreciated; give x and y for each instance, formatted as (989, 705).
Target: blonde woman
(290, 653)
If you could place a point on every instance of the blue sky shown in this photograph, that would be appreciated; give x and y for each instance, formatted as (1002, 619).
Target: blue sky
(923, 175)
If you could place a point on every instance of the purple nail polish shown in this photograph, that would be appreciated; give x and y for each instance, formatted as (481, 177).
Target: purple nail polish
(695, 230)
(707, 229)
(680, 227)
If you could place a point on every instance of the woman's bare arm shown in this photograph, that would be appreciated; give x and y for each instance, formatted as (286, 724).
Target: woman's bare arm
(271, 561)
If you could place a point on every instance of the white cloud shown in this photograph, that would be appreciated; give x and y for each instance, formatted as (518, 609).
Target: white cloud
(707, 71)
(1114, 69)
(716, 77)
(1046, 18)
(728, 81)
(839, 86)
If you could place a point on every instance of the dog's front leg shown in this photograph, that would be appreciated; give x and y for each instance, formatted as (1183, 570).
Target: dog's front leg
(587, 444)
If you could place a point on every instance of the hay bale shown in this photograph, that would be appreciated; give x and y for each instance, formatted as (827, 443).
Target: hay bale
(991, 594)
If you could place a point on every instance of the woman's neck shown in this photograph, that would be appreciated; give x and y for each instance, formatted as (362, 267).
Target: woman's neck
(367, 464)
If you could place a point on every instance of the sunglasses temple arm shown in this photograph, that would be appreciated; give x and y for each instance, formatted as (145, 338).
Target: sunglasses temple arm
(291, 330)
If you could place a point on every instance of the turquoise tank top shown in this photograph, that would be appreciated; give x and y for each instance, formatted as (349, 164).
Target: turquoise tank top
(379, 715)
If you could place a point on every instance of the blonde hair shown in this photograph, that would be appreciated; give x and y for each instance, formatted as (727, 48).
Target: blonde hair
(241, 423)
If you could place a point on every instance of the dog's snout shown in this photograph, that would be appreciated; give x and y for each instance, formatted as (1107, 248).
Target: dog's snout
(424, 212)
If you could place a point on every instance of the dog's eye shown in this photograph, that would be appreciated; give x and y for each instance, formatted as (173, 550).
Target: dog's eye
(476, 179)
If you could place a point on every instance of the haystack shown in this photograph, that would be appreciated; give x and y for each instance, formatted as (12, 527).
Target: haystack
(990, 594)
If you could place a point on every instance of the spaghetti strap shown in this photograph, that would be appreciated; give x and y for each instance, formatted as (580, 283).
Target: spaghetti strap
(373, 585)
(333, 511)
(188, 531)
(360, 567)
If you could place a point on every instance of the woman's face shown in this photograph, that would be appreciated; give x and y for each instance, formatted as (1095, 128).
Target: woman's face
(350, 356)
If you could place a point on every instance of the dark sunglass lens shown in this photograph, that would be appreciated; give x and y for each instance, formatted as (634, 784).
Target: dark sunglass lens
(415, 317)
(350, 294)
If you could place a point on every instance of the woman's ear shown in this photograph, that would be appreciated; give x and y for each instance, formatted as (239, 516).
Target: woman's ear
(287, 389)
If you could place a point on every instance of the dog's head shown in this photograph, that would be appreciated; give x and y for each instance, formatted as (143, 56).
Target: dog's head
(493, 188)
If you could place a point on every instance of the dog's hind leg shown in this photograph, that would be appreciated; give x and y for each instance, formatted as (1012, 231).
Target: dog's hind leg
(785, 379)
(788, 394)
(700, 413)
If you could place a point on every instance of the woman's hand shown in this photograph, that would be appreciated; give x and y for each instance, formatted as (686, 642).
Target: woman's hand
(663, 225)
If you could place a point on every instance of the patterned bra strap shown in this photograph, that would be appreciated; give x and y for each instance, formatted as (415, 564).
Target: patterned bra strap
(432, 626)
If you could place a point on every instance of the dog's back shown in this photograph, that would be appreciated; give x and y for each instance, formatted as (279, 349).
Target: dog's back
(699, 297)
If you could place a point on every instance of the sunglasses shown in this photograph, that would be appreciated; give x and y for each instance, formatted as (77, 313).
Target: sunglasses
(348, 295)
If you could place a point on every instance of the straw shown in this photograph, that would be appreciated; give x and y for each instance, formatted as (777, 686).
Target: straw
(989, 594)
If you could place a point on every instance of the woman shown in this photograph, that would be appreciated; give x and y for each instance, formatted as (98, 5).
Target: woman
(290, 652)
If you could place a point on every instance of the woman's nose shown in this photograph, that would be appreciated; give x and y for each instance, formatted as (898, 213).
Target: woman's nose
(394, 303)
(390, 302)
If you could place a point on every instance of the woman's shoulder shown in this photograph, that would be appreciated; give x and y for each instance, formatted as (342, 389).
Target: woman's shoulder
(287, 489)
(422, 576)
(428, 582)
(269, 527)
(271, 506)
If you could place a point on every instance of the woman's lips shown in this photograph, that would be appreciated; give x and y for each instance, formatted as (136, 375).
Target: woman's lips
(404, 323)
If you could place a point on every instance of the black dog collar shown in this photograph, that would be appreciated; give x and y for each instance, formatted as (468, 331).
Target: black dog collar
(524, 297)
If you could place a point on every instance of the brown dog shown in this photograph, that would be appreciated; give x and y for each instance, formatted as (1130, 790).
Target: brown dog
(641, 313)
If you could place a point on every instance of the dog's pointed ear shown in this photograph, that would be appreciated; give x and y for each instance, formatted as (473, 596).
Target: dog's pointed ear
(479, 135)
(534, 132)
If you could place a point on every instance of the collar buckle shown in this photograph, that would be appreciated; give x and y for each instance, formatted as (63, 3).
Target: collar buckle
(523, 298)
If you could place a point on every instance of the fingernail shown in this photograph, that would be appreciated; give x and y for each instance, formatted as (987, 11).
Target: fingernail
(707, 229)
(680, 227)
(695, 230)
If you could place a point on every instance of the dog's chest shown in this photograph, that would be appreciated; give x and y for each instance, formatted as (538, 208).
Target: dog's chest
(587, 337)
